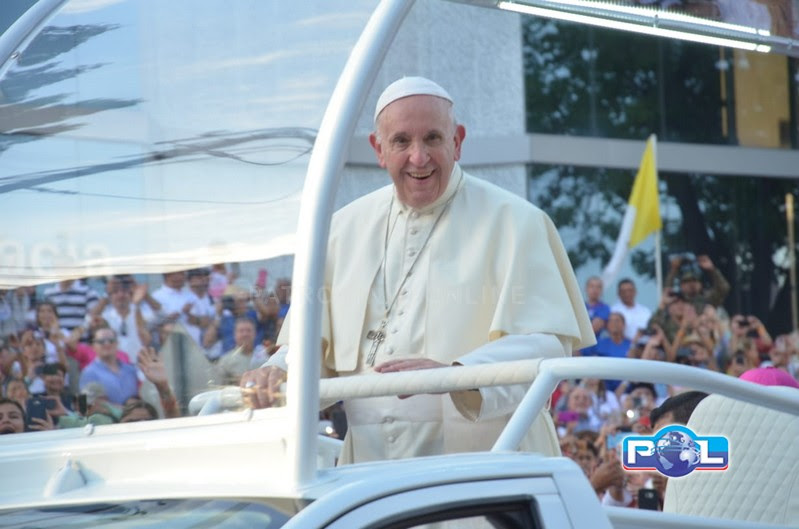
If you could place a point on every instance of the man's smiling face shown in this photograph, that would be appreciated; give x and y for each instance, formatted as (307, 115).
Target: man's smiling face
(418, 143)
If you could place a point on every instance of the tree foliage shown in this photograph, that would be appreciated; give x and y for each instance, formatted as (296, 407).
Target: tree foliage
(586, 81)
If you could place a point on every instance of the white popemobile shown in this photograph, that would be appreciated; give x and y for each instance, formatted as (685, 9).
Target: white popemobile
(270, 468)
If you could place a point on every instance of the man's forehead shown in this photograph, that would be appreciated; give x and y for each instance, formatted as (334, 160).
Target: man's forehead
(411, 107)
(406, 87)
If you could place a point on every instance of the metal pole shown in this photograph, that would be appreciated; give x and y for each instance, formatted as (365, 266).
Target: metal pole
(17, 37)
(658, 258)
(327, 159)
(791, 256)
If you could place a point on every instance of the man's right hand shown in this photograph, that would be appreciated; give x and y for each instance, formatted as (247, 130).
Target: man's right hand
(260, 387)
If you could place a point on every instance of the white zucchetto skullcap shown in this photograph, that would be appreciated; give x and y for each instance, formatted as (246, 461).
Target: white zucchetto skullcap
(409, 86)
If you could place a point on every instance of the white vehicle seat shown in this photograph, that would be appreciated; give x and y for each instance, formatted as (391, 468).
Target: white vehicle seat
(762, 481)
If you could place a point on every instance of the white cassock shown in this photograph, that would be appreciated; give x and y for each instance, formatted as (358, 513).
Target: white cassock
(493, 283)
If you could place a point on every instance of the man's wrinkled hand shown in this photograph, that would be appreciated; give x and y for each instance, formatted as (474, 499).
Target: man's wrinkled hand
(260, 388)
(408, 364)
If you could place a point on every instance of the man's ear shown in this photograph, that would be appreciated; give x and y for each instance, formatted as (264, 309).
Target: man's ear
(378, 149)
(460, 135)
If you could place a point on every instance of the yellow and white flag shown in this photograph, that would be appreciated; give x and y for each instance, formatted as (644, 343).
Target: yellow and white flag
(643, 212)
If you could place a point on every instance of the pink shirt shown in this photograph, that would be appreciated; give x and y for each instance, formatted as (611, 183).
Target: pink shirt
(85, 354)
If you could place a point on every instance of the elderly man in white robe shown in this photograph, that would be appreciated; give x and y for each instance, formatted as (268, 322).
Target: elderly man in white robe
(438, 269)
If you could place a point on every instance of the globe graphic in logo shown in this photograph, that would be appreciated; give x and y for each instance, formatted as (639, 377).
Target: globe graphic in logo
(676, 454)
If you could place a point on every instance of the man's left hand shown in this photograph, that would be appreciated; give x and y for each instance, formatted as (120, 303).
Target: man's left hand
(704, 262)
(408, 364)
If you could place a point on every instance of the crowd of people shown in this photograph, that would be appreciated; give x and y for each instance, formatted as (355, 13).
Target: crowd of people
(84, 356)
(689, 326)
(71, 354)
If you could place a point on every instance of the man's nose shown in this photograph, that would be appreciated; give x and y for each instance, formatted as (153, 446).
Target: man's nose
(419, 155)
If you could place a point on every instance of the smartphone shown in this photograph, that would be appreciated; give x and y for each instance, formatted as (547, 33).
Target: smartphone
(35, 407)
(261, 281)
(82, 404)
(648, 499)
(568, 416)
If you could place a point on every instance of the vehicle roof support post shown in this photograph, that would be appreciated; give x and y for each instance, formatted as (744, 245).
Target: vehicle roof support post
(324, 168)
(522, 419)
(17, 37)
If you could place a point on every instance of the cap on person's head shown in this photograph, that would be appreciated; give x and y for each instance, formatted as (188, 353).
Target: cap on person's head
(646, 385)
(769, 376)
(196, 272)
(694, 339)
(689, 276)
(406, 87)
(53, 369)
(235, 291)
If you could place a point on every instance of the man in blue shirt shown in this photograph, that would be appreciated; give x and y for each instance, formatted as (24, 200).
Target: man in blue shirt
(119, 379)
(614, 345)
(598, 312)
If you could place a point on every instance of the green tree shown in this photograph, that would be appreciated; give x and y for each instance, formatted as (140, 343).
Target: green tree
(586, 81)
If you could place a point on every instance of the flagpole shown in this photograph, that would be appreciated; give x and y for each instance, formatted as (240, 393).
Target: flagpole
(658, 260)
(658, 266)
(791, 257)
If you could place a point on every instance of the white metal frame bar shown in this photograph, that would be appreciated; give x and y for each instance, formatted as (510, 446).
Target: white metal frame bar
(661, 22)
(553, 370)
(324, 168)
(17, 37)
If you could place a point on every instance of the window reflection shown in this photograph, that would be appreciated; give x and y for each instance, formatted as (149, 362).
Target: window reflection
(588, 81)
(138, 136)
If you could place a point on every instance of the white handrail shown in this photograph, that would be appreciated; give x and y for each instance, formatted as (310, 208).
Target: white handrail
(324, 167)
(553, 370)
(441, 380)
(545, 375)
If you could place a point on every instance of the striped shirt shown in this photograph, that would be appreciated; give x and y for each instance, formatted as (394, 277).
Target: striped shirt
(72, 304)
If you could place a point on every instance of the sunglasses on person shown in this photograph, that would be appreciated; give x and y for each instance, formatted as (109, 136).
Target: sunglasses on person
(103, 341)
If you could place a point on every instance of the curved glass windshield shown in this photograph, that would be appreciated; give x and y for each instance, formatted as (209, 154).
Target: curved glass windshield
(143, 136)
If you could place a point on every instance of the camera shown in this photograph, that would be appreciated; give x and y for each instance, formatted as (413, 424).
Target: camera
(682, 256)
(648, 499)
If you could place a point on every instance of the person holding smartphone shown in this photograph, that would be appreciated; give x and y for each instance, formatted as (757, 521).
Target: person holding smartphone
(54, 376)
(38, 411)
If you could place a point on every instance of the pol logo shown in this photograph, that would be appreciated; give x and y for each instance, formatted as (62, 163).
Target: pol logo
(675, 451)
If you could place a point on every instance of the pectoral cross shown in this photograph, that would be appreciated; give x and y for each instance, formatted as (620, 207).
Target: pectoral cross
(377, 338)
